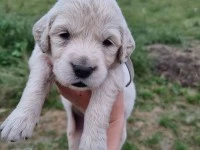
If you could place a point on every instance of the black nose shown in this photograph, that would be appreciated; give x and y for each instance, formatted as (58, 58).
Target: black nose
(82, 71)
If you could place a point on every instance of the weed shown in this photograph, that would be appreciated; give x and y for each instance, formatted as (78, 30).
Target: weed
(61, 142)
(179, 145)
(177, 90)
(154, 139)
(129, 146)
(146, 94)
(169, 123)
(161, 90)
(193, 98)
(196, 139)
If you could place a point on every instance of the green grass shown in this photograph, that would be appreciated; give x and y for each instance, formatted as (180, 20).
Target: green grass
(193, 98)
(153, 140)
(180, 146)
(163, 111)
(129, 146)
(169, 123)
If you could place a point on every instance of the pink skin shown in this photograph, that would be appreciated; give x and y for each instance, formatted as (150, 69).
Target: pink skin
(117, 118)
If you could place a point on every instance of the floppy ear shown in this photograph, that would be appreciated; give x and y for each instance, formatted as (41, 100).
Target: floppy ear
(128, 45)
(41, 33)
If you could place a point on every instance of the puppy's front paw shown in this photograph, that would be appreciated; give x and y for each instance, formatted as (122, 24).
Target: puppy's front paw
(19, 125)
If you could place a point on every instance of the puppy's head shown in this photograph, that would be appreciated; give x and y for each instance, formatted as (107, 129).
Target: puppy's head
(84, 38)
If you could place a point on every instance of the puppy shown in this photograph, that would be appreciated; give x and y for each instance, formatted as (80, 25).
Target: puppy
(81, 44)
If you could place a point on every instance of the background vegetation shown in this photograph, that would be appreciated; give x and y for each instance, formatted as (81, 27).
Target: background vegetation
(166, 115)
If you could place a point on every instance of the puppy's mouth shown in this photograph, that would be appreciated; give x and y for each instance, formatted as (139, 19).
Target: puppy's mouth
(79, 85)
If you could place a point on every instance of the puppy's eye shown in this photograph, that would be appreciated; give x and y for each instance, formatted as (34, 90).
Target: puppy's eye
(107, 43)
(65, 35)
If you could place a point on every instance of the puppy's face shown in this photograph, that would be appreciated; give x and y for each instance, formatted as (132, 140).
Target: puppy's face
(84, 39)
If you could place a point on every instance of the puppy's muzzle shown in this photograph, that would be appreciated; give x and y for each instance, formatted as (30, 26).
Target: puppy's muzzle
(82, 71)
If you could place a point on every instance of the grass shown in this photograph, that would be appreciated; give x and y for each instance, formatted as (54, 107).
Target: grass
(180, 146)
(193, 98)
(154, 140)
(165, 112)
(168, 122)
(129, 146)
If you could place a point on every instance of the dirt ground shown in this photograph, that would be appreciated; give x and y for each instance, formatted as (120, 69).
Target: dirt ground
(178, 64)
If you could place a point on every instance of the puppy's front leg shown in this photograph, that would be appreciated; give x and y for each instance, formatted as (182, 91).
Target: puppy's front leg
(97, 115)
(21, 122)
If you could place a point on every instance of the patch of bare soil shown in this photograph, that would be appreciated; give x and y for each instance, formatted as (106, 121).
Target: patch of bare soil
(175, 64)
(52, 120)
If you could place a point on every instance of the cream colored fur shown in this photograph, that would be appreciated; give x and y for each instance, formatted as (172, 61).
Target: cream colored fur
(89, 23)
